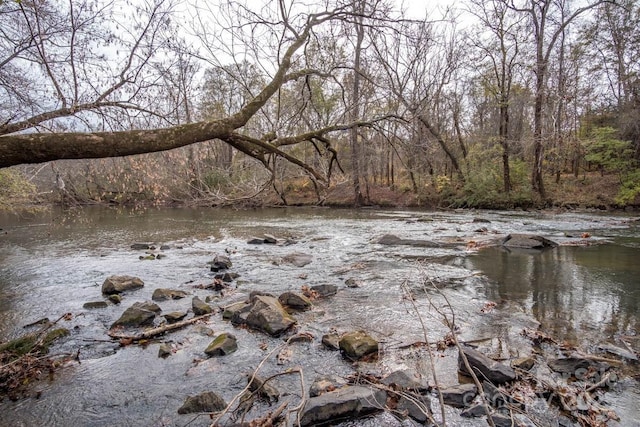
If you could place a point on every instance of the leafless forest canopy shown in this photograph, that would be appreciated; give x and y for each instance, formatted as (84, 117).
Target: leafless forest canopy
(491, 103)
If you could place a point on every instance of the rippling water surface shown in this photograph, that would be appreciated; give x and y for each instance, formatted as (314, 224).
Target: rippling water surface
(53, 263)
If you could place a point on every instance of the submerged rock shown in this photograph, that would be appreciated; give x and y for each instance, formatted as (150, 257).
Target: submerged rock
(297, 259)
(485, 367)
(203, 402)
(162, 294)
(347, 402)
(222, 345)
(119, 284)
(358, 344)
(393, 240)
(325, 290)
(140, 246)
(95, 304)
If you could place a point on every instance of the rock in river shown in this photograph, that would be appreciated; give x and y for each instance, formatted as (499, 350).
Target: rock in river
(222, 345)
(162, 294)
(527, 241)
(485, 367)
(295, 301)
(203, 402)
(459, 396)
(95, 304)
(175, 316)
(297, 259)
(347, 402)
(139, 314)
(200, 307)
(119, 284)
(357, 344)
(325, 290)
(268, 315)
(221, 262)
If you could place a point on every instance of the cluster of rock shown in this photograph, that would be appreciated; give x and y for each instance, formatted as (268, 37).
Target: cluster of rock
(332, 398)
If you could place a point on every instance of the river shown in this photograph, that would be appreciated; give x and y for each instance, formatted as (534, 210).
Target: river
(52, 263)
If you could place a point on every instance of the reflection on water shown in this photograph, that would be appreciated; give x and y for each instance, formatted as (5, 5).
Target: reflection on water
(577, 293)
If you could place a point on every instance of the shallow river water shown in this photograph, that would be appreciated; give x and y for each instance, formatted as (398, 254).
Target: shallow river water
(53, 263)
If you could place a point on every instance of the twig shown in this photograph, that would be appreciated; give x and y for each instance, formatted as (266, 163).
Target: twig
(430, 351)
(451, 325)
(246, 388)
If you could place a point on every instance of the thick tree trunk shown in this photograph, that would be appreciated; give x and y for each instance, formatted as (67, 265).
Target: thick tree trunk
(355, 112)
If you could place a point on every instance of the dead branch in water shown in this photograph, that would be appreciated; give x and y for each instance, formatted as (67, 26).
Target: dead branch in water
(151, 333)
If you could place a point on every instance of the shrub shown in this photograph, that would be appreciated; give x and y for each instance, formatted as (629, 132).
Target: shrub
(16, 192)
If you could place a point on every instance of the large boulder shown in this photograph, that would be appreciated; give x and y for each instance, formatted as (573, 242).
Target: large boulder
(203, 402)
(527, 241)
(358, 344)
(222, 345)
(268, 315)
(119, 284)
(347, 402)
(484, 367)
(139, 314)
(162, 294)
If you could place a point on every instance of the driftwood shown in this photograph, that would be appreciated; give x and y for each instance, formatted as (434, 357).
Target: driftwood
(151, 333)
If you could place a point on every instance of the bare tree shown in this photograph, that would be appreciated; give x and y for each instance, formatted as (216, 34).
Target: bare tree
(502, 52)
(548, 21)
(295, 32)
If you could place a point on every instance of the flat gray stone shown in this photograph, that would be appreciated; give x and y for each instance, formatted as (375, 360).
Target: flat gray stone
(459, 396)
(346, 403)
(485, 368)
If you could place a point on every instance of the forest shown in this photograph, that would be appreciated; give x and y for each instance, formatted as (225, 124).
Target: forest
(482, 103)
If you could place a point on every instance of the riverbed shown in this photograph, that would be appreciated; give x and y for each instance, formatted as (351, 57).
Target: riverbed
(585, 292)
